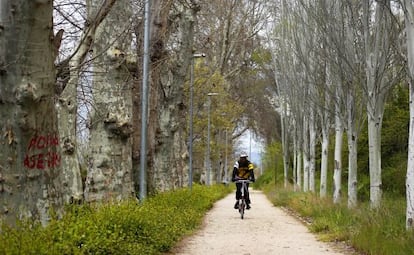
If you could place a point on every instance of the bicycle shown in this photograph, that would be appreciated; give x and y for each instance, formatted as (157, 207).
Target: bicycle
(242, 200)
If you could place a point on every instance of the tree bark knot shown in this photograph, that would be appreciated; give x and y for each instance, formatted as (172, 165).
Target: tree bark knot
(410, 222)
(118, 125)
(27, 91)
(68, 146)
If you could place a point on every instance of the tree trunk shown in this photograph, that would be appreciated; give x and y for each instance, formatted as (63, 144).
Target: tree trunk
(352, 153)
(377, 47)
(285, 148)
(67, 110)
(284, 119)
(409, 223)
(339, 130)
(110, 163)
(67, 106)
(299, 182)
(324, 161)
(29, 150)
(168, 153)
(409, 27)
(295, 160)
(312, 150)
(306, 155)
(299, 156)
(374, 140)
(325, 127)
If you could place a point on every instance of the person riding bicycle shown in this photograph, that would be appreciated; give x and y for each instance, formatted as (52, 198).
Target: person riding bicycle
(243, 170)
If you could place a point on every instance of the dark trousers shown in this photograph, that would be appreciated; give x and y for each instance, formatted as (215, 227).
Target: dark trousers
(246, 192)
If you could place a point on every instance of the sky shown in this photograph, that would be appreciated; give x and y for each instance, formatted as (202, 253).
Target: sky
(252, 146)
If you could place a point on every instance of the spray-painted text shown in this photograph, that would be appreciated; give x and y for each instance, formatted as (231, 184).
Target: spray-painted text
(41, 152)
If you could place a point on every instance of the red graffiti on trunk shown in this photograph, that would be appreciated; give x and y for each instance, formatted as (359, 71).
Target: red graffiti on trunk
(41, 142)
(43, 159)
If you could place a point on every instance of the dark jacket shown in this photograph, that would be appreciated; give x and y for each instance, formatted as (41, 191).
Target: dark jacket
(243, 170)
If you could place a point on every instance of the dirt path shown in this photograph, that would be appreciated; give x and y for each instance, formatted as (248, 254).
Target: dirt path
(265, 230)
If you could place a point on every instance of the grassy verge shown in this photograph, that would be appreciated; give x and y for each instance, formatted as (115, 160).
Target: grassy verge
(152, 227)
(379, 232)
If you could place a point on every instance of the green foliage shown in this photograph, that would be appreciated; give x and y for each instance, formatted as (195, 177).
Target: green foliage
(379, 232)
(394, 174)
(266, 178)
(225, 110)
(383, 231)
(394, 140)
(273, 166)
(152, 227)
(261, 56)
(394, 134)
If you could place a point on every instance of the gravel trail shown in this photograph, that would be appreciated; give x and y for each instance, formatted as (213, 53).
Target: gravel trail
(265, 229)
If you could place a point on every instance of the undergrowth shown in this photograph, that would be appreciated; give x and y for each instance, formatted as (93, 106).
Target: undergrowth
(380, 231)
(128, 227)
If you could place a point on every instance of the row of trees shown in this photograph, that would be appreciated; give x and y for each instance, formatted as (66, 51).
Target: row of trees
(70, 96)
(335, 63)
(70, 92)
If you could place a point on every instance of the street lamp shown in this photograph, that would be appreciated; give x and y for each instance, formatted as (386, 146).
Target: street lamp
(208, 138)
(190, 138)
(225, 161)
(144, 106)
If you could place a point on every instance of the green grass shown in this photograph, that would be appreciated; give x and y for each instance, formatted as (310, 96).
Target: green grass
(379, 232)
(152, 227)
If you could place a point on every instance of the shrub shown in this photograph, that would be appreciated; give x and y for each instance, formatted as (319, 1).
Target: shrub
(128, 227)
(380, 232)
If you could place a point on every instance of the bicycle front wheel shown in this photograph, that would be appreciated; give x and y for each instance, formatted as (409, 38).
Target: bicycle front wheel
(241, 208)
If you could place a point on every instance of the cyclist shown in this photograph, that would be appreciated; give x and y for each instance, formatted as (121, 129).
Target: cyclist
(243, 170)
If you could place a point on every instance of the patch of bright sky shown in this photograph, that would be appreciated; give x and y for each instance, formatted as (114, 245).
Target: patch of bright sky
(252, 145)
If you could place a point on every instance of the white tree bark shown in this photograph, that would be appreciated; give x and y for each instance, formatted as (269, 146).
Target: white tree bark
(325, 127)
(339, 130)
(285, 149)
(374, 136)
(295, 160)
(297, 133)
(324, 160)
(353, 104)
(110, 164)
(67, 108)
(171, 53)
(299, 182)
(312, 150)
(306, 154)
(283, 98)
(377, 42)
(409, 28)
(30, 184)
(284, 120)
(67, 105)
(352, 152)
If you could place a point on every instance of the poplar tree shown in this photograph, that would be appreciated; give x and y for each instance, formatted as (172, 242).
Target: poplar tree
(408, 8)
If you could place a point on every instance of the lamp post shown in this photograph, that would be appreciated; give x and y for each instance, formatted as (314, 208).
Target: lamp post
(225, 160)
(144, 110)
(208, 138)
(190, 138)
(250, 145)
